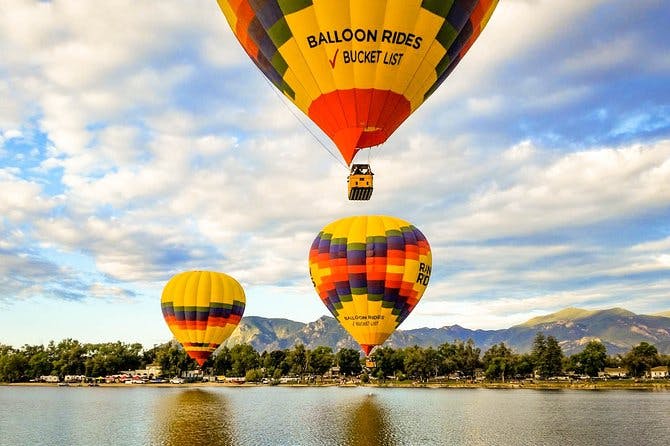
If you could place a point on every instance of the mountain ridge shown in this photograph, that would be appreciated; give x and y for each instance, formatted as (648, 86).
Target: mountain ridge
(617, 328)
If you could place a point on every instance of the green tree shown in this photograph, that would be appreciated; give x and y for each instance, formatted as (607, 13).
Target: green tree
(112, 357)
(524, 365)
(277, 375)
(274, 362)
(467, 356)
(539, 353)
(40, 362)
(554, 357)
(13, 364)
(416, 363)
(321, 360)
(296, 359)
(149, 356)
(615, 361)
(223, 362)
(547, 356)
(174, 360)
(593, 358)
(14, 368)
(641, 359)
(70, 357)
(349, 361)
(244, 358)
(433, 361)
(253, 376)
(388, 362)
(499, 362)
(5, 350)
(450, 361)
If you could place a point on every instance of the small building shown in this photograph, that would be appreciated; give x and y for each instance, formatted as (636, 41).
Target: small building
(230, 379)
(109, 379)
(659, 372)
(333, 373)
(289, 380)
(193, 374)
(151, 371)
(613, 372)
(49, 378)
(74, 378)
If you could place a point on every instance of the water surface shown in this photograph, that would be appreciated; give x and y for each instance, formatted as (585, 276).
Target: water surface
(144, 415)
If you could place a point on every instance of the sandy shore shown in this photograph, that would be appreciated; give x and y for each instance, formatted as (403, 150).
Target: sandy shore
(543, 385)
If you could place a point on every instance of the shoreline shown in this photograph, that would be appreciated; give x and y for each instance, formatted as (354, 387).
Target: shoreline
(610, 385)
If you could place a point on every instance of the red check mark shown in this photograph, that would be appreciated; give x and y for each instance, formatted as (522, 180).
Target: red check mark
(332, 62)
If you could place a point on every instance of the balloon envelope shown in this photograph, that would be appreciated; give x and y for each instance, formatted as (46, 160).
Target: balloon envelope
(370, 271)
(202, 309)
(357, 68)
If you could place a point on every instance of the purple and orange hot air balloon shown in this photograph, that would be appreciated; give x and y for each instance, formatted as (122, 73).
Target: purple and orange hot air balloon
(370, 272)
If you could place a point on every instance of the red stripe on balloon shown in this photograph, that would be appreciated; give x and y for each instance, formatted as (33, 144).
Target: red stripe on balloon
(386, 111)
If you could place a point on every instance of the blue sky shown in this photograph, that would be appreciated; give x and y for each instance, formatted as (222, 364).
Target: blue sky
(137, 141)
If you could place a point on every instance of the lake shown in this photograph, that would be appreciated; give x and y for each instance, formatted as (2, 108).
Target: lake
(144, 415)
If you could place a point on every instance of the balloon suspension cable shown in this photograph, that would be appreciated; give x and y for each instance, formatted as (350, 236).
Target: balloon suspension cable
(283, 101)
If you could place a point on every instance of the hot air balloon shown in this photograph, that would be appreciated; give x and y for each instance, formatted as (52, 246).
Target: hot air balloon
(202, 309)
(357, 68)
(370, 272)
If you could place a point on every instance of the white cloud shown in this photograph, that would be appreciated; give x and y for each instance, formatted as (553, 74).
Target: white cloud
(486, 105)
(21, 200)
(220, 47)
(167, 150)
(550, 100)
(112, 293)
(578, 189)
(653, 246)
(11, 134)
(617, 53)
(520, 152)
(515, 29)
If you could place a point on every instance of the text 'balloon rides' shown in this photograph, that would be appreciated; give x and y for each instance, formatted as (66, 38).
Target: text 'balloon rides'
(370, 271)
(357, 68)
(202, 309)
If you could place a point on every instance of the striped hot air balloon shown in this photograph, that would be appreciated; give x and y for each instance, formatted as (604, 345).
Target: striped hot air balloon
(202, 309)
(370, 272)
(357, 68)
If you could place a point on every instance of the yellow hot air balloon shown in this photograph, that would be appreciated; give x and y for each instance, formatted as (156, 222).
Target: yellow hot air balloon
(370, 272)
(202, 309)
(357, 68)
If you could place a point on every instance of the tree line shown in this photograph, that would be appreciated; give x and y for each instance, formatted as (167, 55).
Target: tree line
(460, 358)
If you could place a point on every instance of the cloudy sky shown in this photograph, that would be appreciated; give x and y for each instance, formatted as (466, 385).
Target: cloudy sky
(137, 140)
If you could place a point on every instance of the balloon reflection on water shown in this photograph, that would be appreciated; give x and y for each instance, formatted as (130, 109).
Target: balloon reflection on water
(369, 424)
(193, 417)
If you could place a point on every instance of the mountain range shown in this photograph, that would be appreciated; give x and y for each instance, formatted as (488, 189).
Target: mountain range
(617, 328)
